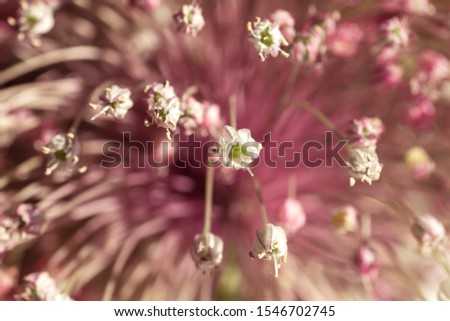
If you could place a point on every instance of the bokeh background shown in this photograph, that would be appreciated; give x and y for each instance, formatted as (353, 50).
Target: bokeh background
(125, 233)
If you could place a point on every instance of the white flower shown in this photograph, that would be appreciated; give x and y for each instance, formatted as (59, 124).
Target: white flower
(237, 147)
(164, 106)
(64, 151)
(34, 19)
(363, 164)
(190, 19)
(42, 287)
(267, 38)
(207, 251)
(271, 244)
(397, 32)
(116, 101)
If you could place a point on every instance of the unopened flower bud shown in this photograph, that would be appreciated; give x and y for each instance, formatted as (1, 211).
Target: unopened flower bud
(429, 233)
(421, 115)
(367, 262)
(270, 244)
(345, 219)
(207, 251)
(292, 215)
(419, 162)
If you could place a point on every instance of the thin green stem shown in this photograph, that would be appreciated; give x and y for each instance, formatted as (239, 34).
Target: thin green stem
(262, 207)
(209, 187)
(233, 118)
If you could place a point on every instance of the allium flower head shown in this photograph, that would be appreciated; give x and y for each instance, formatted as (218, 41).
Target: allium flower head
(116, 101)
(267, 38)
(345, 219)
(41, 287)
(207, 251)
(164, 107)
(35, 19)
(237, 148)
(363, 164)
(429, 232)
(190, 19)
(64, 151)
(270, 244)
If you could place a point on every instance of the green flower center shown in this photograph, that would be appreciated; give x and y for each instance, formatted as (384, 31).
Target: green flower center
(266, 37)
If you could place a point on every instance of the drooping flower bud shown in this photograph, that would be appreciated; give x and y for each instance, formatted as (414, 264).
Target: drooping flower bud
(429, 233)
(267, 38)
(190, 19)
(345, 219)
(270, 244)
(419, 162)
(366, 262)
(163, 107)
(207, 251)
(363, 164)
(237, 148)
(292, 215)
(115, 101)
